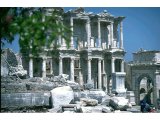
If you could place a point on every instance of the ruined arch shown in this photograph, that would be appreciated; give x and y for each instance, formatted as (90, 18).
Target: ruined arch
(137, 85)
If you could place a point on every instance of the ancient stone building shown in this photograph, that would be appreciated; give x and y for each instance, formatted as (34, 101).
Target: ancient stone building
(96, 53)
(145, 75)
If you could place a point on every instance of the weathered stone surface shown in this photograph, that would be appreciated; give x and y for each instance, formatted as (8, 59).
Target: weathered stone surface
(98, 95)
(16, 100)
(61, 95)
(86, 109)
(35, 79)
(89, 102)
(88, 86)
(11, 64)
(119, 103)
(75, 86)
(32, 86)
(14, 87)
(106, 100)
(17, 71)
(106, 109)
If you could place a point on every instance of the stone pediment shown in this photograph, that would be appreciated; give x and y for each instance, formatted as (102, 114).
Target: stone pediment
(104, 14)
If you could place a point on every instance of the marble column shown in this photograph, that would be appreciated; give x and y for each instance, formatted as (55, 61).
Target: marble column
(121, 35)
(88, 29)
(44, 67)
(71, 24)
(99, 74)
(72, 69)
(111, 35)
(113, 65)
(51, 65)
(99, 33)
(30, 67)
(122, 65)
(89, 71)
(60, 65)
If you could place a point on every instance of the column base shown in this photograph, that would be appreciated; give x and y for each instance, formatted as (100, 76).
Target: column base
(118, 80)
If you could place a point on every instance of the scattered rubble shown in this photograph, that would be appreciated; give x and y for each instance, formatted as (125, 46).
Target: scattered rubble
(119, 103)
(56, 94)
(89, 102)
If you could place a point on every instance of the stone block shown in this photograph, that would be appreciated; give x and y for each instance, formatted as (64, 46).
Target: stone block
(89, 102)
(17, 100)
(93, 94)
(61, 95)
(119, 103)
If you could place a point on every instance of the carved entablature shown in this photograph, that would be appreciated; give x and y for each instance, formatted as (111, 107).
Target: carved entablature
(79, 12)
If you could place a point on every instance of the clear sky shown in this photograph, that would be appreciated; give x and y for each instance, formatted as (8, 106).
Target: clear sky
(141, 28)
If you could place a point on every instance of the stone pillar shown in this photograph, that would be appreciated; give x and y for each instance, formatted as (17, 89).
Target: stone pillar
(72, 69)
(113, 65)
(60, 65)
(71, 24)
(118, 83)
(111, 35)
(30, 67)
(44, 67)
(122, 65)
(99, 75)
(51, 65)
(99, 33)
(89, 71)
(121, 35)
(104, 75)
(88, 29)
(80, 78)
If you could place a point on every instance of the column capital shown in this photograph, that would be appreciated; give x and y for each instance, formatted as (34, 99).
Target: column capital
(30, 55)
(44, 58)
(88, 21)
(72, 58)
(113, 58)
(100, 59)
(60, 57)
(89, 59)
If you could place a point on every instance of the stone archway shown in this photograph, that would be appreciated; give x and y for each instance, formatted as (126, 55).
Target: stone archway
(138, 87)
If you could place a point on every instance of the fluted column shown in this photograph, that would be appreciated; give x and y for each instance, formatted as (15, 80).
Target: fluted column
(99, 75)
(88, 29)
(30, 67)
(121, 35)
(44, 67)
(111, 34)
(89, 71)
(99, 34)
(72, 69)
(122, 65)
(60, 65)
(113, 65)
(71, 24)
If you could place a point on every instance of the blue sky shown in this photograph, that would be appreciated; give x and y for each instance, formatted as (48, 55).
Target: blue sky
(141, 28)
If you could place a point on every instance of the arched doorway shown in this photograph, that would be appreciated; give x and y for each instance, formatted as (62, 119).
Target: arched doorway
(144, 89)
